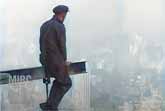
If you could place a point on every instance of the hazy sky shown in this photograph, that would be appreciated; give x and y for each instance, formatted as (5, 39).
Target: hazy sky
(91, 26)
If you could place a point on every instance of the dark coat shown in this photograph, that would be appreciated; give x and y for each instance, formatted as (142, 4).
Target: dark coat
(53, 46)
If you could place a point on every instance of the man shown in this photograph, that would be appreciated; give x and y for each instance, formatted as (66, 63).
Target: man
(53, 57)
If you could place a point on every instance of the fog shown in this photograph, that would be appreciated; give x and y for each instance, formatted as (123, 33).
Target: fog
(122, 40)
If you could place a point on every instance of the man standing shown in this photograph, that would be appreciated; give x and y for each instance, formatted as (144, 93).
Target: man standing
(53, 57)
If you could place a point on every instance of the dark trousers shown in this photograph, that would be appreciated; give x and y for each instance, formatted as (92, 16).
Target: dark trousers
(60, 87)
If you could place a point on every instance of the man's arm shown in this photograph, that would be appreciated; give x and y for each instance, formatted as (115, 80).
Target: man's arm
(62, 44)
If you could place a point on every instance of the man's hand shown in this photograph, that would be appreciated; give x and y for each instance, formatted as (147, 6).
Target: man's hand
(68, 63)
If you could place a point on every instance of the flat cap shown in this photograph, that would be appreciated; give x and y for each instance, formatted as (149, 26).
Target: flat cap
(60, 9)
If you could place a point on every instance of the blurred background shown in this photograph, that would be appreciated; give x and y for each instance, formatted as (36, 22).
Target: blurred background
(122, 40)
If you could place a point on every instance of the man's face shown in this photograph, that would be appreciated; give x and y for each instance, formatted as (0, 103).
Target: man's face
(62, 16)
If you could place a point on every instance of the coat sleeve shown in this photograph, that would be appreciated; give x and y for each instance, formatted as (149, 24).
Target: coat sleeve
(62, 43)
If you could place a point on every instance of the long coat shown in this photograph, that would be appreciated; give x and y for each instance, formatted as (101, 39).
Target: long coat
(53, 46)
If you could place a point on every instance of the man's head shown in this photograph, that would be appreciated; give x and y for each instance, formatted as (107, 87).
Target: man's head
(60, 12)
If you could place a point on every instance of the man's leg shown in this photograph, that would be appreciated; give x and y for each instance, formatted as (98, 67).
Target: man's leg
(60, 87)
(57, 92)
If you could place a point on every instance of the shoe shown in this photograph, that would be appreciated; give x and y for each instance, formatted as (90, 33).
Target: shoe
(47, 107)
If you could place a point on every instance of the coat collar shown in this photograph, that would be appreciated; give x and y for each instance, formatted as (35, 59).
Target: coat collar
(56, 19)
